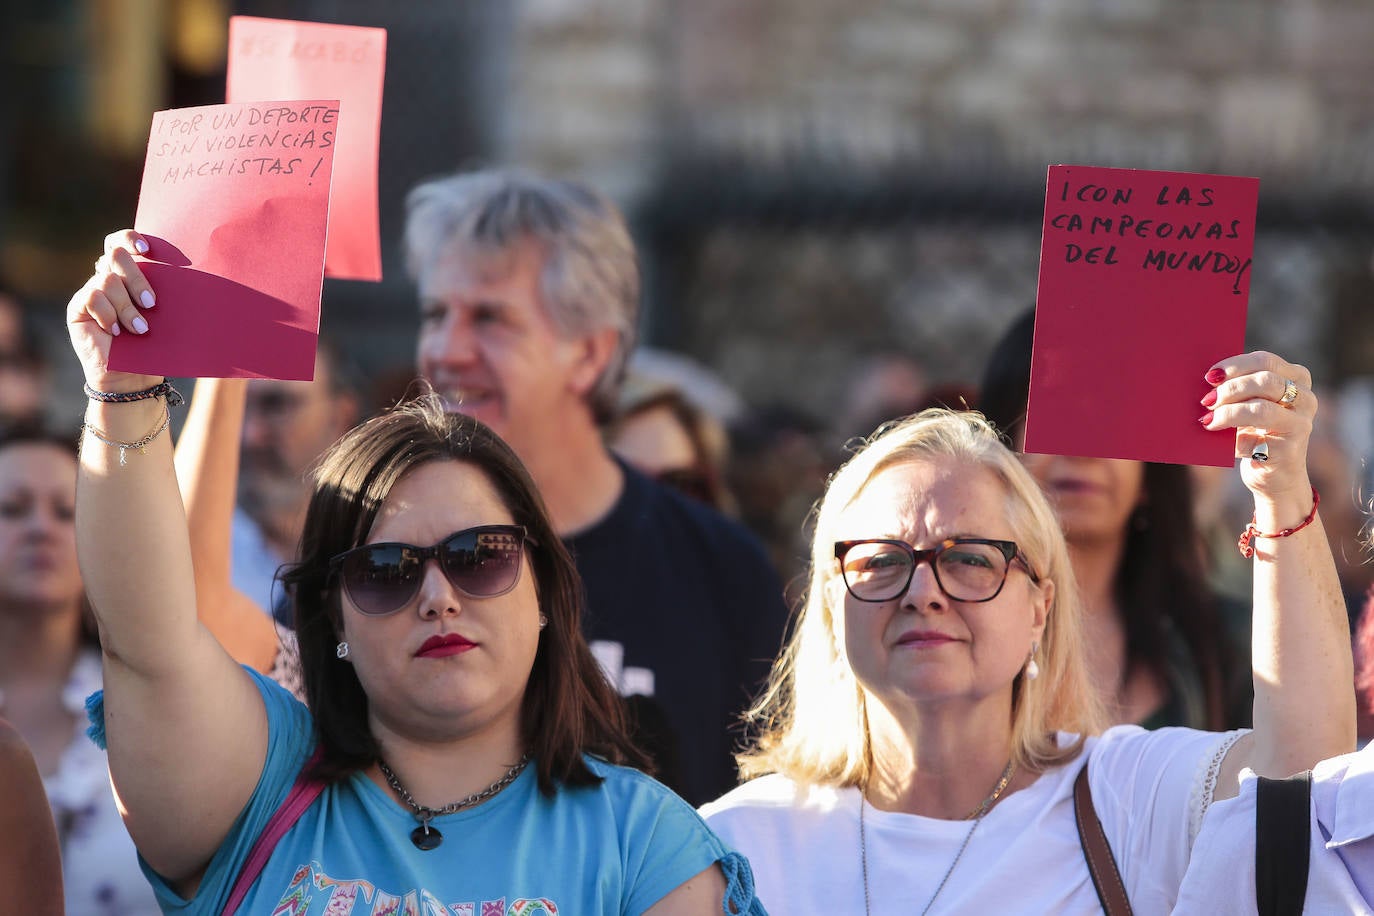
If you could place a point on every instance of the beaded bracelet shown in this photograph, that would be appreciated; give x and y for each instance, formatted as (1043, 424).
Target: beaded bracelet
(162, 389)
(140, 444)
(1247, 549)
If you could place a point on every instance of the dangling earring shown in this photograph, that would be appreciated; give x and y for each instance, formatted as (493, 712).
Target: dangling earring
(341, 650)
(1032, 669)
(543, 621)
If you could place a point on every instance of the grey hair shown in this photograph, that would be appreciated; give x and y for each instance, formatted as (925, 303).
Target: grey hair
(590, 278)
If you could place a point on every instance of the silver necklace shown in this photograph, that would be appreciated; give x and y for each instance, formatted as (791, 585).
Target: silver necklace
(976, 815)
(426, 837)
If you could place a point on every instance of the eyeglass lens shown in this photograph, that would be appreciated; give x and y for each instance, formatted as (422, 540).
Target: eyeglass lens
(479, 562)
(876, 571)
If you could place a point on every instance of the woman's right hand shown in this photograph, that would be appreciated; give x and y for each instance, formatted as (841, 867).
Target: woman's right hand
(111, 302)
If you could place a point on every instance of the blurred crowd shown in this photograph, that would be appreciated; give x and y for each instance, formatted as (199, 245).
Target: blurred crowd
(1165, 593)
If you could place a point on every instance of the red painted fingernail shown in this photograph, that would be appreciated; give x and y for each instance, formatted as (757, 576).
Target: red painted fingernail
(1206, 418)
(1215, 376)
(1210, 399)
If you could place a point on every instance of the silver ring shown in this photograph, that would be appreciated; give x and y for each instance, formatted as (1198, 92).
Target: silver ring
(1261, 452)
(1290, 393)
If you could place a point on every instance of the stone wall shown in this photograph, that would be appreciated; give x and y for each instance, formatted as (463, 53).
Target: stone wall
(1279, 86)
(791, 101)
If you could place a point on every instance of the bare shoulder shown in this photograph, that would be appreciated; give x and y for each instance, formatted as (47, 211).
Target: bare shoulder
(14, 751)
(30, 864)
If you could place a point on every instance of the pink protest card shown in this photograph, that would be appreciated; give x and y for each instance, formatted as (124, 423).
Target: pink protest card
(234, 204)
(280, 59)
(1144, 283)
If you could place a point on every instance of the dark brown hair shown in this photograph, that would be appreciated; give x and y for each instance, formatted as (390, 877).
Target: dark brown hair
(569, 707)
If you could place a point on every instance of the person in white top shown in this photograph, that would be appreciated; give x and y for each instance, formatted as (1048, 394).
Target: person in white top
(923, 729)
(49, 662)
(1340, 876)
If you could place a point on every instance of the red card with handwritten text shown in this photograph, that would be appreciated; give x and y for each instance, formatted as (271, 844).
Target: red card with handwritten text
(281, 59)
(234, 204)
(1144, 284)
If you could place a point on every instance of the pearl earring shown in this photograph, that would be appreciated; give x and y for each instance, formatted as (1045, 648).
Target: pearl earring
(1032, 669)
(341, 650)
(543, 621)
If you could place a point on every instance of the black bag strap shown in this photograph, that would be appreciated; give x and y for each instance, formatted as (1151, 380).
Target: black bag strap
(1283, 837)
(1111, 891)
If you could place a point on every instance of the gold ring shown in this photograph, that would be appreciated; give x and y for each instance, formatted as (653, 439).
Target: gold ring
(1290, 393)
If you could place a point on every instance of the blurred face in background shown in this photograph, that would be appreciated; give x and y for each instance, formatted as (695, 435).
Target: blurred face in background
(1094, 497)
(37, 529)
(23, 377)
(286, 427)
(666, 438)
(490, 349)
(654, 441)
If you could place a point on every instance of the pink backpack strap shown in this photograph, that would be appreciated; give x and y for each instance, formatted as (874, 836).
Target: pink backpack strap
(302, 795)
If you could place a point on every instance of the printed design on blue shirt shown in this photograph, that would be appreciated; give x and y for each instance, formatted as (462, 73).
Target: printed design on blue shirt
(346, 893)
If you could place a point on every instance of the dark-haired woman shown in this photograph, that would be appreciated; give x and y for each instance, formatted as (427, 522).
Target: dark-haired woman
(461, 738)
(1159, 650)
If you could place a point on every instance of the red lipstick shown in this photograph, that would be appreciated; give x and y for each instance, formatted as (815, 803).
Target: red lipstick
(445, 645)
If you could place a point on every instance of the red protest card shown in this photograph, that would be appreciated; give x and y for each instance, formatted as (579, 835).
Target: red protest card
(1144, 283)
(234, 205)
(281, 59)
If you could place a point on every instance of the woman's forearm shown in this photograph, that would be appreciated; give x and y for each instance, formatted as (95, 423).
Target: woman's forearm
(1304, 694)
(131, 537)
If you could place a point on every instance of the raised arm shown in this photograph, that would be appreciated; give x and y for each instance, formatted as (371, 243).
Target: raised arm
(1304, 701)
(30, 863)
(185, 725)
(207, 467)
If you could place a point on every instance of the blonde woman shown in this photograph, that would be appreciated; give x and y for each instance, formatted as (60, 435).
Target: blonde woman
(923, 730)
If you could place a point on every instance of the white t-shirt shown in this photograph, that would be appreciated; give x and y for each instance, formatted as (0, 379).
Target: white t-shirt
(1340, 871)
(1150, 790)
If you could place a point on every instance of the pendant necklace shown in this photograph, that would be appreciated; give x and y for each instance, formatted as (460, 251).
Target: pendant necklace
(976, 815)
(426, 837)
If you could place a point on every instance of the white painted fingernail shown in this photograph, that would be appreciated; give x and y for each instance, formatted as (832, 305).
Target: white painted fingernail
(140, 326)
(114, 330)
(141, 245)
(146, 297)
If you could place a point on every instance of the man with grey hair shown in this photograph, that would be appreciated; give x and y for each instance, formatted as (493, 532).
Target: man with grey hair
(529, 296)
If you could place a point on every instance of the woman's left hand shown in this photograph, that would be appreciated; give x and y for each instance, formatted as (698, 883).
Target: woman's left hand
(1270, 401)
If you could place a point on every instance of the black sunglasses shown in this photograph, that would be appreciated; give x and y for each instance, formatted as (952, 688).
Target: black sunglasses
(481, 562)
(966, 569)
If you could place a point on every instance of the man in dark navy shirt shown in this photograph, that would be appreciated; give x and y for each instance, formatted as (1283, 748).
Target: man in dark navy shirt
(529, 297)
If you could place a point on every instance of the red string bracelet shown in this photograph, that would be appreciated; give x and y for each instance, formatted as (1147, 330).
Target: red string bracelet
(1247, 550)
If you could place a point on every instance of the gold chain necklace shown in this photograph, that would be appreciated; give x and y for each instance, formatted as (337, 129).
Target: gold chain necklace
(976, 815)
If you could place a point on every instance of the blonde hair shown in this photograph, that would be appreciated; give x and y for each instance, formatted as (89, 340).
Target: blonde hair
(811, 720)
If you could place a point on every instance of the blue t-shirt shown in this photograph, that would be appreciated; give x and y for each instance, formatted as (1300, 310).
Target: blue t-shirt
(616, 848)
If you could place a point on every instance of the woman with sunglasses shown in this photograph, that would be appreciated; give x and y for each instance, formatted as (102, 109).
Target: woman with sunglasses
(459, 750)
(923, 731)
